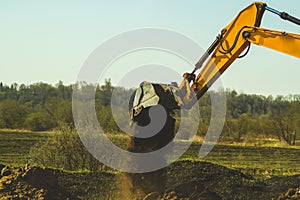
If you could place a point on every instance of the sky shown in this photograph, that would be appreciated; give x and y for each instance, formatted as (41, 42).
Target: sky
(49, 41)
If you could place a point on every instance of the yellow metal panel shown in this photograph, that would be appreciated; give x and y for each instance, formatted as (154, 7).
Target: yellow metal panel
(219, 62)
(235, 38)
(288, 43)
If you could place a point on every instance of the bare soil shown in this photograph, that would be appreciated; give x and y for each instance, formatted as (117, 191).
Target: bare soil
(184, 180)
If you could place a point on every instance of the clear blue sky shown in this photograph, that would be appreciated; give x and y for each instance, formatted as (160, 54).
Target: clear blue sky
(49, 40)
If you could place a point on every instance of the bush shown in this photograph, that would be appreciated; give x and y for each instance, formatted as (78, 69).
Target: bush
(64, 150)
(39, 122)
(12, 114)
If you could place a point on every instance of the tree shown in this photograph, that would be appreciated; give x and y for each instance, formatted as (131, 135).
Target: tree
(229, 126)
(59, 110)
(242, 126)
(286, 119)
(12, 114)
(39, 121)
(105, 92)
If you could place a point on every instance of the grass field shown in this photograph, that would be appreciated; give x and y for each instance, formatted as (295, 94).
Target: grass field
(267, 163)
(262, 160)
(15, 145)
(252, 160)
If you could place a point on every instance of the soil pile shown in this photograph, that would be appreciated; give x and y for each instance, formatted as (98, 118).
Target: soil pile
(29, 183)
(184, 180)
(291, 194)
(190, 191)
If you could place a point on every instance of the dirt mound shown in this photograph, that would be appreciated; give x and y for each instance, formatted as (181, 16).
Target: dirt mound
(190, 191)
(195, 180)
(185, 180)
(291, 194)
(29, 183)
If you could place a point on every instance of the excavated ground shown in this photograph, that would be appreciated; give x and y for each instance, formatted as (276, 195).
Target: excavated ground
(185, 180)
(30, 183)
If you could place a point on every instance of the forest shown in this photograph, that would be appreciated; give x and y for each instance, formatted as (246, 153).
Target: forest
(43, 107)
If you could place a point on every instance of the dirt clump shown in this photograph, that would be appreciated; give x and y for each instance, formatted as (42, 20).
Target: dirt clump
(29, 183)
(291, 194)
(190, 191)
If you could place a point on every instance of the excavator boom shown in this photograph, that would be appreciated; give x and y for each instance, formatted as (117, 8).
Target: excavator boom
(243, 31)
(233, 40)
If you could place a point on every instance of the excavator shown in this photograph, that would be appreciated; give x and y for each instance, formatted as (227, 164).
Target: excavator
(235, 39)
(232, 43)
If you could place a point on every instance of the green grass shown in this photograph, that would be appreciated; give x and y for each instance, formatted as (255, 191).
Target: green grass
(257, 160)
(252, 160)
(15, 145)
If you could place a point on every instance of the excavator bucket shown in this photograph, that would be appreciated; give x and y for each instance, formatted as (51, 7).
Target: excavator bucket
(152, 94)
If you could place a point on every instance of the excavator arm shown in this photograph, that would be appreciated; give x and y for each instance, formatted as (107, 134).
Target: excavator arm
(233, 40)
(288, 43)
(229, 45)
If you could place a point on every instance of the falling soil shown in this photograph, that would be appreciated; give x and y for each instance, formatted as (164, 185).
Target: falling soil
(145, 183)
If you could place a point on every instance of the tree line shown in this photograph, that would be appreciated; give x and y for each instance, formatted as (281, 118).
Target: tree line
(42, 106)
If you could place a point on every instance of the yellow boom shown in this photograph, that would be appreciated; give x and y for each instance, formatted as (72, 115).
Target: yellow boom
(233, 40)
